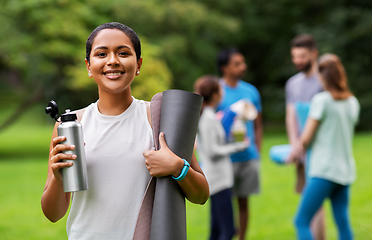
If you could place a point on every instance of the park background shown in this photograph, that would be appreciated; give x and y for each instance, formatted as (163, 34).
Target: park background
(42, 51)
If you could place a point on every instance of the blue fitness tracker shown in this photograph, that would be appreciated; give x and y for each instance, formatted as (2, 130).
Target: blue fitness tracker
(184, 171)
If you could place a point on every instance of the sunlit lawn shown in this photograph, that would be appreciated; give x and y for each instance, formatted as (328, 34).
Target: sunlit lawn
(23, 166)
(272, 211)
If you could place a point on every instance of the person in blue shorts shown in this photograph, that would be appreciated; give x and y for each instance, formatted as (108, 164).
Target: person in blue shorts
(232, 67)
(329, 132)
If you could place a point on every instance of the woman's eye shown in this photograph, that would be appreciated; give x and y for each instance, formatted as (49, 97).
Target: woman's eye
(101, 54)
(123, 53)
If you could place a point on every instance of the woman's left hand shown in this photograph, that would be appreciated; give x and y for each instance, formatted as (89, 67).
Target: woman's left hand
(163, 162)
(297, 154)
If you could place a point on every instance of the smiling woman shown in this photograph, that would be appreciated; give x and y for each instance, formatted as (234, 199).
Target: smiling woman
(119, 147)
(113, 63)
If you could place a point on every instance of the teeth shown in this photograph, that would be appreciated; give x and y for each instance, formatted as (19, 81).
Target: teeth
(113, 74)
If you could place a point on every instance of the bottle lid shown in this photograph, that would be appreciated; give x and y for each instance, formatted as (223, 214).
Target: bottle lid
(68, 116)
(52, 109)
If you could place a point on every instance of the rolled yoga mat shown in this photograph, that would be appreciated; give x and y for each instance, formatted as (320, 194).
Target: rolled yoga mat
(280, 153)
(179, 118)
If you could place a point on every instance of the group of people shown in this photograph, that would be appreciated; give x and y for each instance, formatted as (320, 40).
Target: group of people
(120, 155)
(321, 114)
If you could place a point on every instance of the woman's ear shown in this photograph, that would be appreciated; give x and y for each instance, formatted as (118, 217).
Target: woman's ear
(139, 64)
(88, 68)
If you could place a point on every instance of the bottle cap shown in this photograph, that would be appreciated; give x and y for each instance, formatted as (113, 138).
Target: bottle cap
(68, 116)
(52, 109)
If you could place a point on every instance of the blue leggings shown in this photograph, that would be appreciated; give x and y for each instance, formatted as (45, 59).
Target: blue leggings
(222, 222)
(315, 192)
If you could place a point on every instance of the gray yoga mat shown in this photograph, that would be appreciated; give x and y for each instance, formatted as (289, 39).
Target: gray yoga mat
(179, 117)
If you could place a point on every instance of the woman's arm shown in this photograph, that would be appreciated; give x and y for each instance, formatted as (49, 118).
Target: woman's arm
(258, 131)
(208, 135)
(165, 163)
(291, 124)
(309, 132)
(54, 201)
(305, 139)
(194, 185)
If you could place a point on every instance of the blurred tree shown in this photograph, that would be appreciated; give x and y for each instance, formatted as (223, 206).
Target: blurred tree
(37, 40)
(42, 44)
(42, 51)
(343, 27)
(188, 33)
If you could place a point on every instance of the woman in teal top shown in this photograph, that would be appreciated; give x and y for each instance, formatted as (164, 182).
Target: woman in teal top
(329, 132)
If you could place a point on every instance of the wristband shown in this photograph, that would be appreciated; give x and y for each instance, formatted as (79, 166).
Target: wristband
(184, 171)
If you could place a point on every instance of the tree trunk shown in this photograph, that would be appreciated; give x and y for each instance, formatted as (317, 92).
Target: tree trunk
(22, 108)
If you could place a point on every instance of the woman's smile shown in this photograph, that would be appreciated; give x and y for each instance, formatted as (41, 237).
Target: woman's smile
(113, 74)
(113, 63)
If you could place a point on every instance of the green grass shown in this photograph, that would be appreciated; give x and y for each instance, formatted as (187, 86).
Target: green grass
(272, 211)
(23, 168)
(22, 183)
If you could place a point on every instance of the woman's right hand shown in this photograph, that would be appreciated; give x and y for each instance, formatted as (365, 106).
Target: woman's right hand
(56, 156)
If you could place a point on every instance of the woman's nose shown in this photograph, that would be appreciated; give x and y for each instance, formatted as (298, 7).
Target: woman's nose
(112, 60)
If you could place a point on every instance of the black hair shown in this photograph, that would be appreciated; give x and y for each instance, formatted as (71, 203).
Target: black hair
(132, 35)
(224, 57)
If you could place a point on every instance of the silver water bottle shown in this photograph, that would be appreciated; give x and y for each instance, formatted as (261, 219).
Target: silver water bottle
(75, 177)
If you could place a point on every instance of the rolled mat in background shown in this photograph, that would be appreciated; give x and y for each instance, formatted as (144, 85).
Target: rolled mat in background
(280, 153)
(179, 118)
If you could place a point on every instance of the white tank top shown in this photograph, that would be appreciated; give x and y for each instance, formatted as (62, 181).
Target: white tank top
(117, 174)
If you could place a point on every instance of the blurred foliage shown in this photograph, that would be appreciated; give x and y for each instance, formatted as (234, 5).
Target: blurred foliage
(154, 77)
(42, 44)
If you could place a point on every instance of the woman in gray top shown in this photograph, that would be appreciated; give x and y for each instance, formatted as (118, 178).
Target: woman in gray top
(214, 154)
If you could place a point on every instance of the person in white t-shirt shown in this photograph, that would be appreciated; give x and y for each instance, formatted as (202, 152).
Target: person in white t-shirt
(119, 147)
(329, 132)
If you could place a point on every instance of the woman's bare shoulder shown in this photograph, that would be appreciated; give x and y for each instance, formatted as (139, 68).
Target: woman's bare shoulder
(80, 113)
(148, 107)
